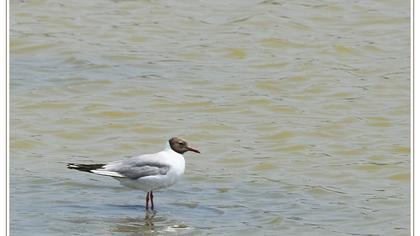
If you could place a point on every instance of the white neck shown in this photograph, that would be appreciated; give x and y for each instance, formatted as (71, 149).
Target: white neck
(168, 147)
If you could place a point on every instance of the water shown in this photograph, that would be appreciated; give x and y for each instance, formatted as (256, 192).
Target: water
(300, 109)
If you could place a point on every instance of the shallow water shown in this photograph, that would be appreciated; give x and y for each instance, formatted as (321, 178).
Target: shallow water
(300, 108)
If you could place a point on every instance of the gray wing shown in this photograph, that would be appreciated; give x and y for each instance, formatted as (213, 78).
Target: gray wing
(137, 170)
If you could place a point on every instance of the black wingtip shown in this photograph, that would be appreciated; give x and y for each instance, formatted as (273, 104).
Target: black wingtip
(71, 165)
(84, 167)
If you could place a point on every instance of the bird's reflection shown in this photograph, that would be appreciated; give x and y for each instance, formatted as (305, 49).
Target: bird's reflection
(150, 223)
(148, 219)
(138, 225)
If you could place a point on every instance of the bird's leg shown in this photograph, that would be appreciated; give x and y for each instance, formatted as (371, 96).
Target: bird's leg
(151, 199)
(147, 201)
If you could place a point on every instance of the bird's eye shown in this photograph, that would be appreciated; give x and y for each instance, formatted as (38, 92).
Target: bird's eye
(181, 143)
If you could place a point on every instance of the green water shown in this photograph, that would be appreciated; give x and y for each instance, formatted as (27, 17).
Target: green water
(300, 109)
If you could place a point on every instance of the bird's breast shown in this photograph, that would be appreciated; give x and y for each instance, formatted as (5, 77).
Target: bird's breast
(178, 166)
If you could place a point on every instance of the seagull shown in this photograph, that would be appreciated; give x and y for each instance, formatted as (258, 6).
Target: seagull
(148, 172)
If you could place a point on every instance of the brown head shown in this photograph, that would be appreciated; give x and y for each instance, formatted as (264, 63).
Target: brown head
(180, 146)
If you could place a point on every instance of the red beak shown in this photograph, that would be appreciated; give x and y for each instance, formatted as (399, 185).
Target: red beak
(193, 150)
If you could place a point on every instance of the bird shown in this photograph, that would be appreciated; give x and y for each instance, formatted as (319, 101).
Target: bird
(147, 172)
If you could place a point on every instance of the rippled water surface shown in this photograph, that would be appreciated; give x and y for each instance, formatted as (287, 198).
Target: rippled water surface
(300, 108)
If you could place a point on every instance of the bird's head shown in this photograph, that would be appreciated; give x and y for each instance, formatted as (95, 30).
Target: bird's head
(180, 146)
